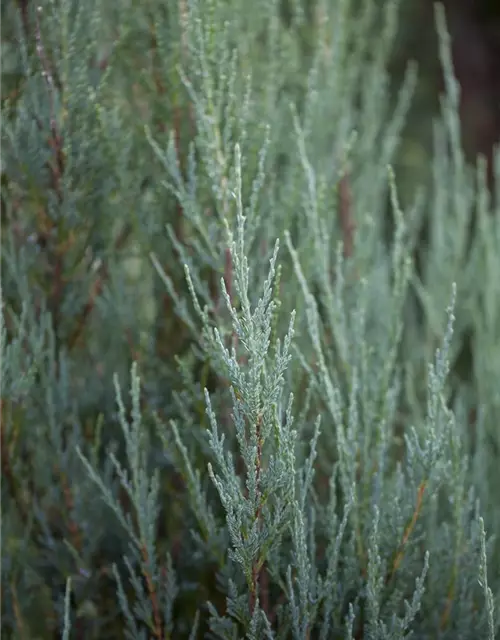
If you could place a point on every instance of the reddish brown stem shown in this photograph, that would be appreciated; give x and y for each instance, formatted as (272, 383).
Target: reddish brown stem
(257, 569)
(407, 532)
(95, 291)
(7, 472)
(157, 629)
(55, 140)
(20, 626)
(345, 216)
(73, 528)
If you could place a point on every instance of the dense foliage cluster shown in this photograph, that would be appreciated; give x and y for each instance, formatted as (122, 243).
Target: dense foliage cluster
(248, 391)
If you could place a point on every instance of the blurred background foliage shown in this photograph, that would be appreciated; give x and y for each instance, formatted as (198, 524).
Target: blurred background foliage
(138, 85)
(475, 32)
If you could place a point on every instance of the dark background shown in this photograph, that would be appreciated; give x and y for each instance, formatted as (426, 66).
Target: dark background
(474, 27)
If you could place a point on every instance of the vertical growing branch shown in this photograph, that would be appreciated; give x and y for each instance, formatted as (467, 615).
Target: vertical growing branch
(257, 565)
(153, 596)
(56, 167)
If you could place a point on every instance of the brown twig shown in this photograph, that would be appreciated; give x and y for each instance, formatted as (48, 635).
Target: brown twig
(96, 290)
(20, 626)
(445, 616)
(345, 216)
(257, 568)
(157, 628)
(56, 170)
(407, 533)
(23, 10)
(73, 528)
(55, 140)
(7, 472)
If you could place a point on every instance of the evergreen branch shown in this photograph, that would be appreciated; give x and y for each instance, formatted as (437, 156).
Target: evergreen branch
(399, 554)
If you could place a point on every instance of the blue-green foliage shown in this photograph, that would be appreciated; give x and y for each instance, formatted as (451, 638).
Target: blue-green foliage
(195, 200)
